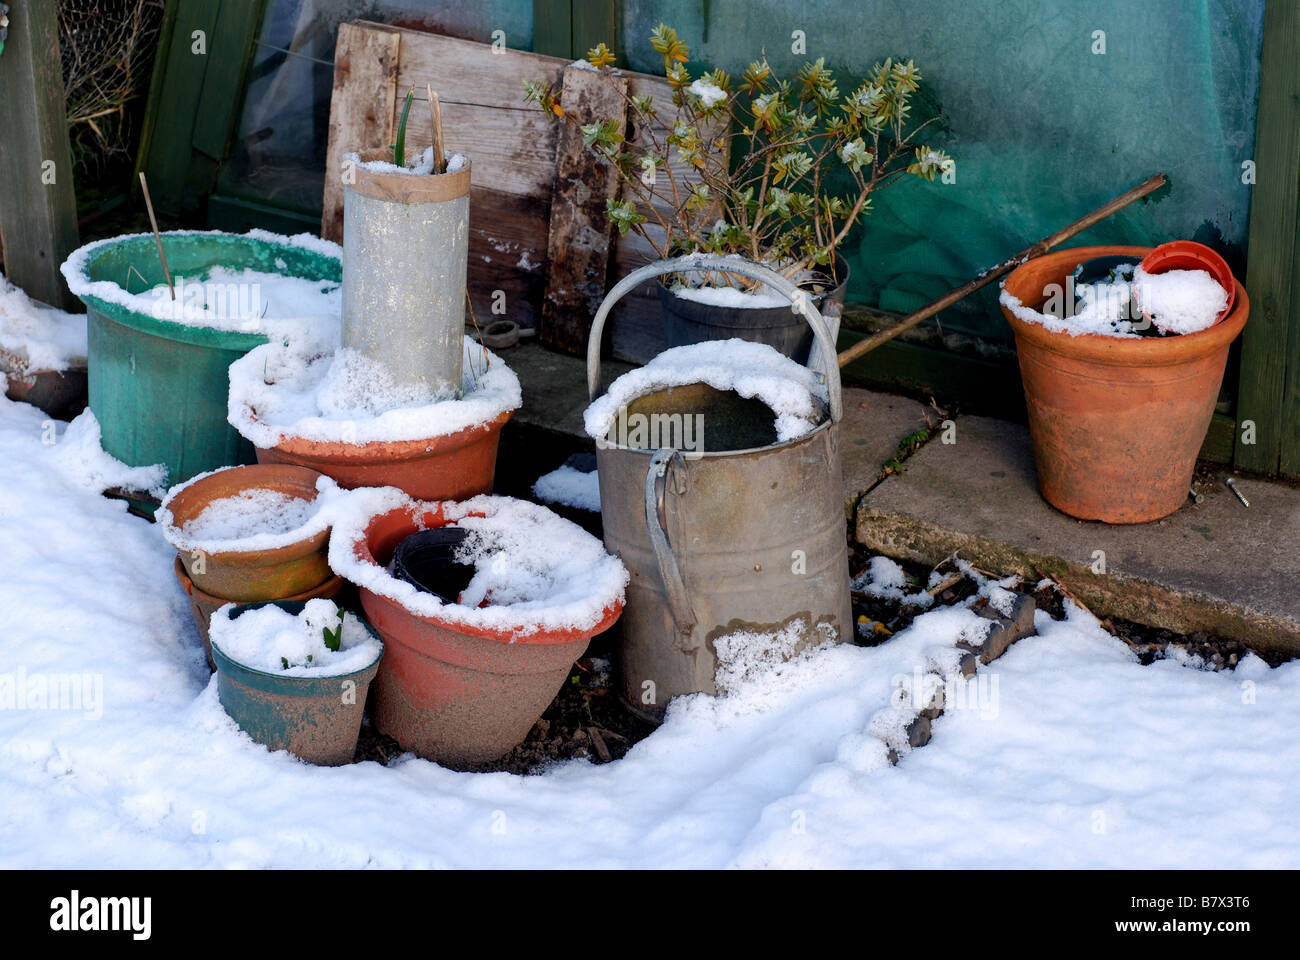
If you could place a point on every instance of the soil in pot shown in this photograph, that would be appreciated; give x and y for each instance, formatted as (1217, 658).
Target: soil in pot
(294, 676)
(250, 533)
(1116, 420)
(721, 313)
(463, 683)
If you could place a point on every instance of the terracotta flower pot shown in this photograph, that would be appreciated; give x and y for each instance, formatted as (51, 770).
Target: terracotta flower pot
(453, 693)
(317, 719)
(456, 466)
(204, 605)
(246, 576)
(1116, 422)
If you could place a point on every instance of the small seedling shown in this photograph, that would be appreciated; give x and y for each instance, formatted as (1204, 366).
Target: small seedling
(334, 638)
(399, 148)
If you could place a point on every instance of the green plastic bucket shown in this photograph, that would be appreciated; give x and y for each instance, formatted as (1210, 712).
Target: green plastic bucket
(158, 387)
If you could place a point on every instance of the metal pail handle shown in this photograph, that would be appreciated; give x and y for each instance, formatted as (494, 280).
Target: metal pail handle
(800, 302)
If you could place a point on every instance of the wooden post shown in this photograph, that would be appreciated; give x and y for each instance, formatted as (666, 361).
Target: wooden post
(362, 108)
(1269, 393)
(38, 206)
(578, 241)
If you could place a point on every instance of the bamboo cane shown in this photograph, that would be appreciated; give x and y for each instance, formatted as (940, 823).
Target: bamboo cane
(991, 274)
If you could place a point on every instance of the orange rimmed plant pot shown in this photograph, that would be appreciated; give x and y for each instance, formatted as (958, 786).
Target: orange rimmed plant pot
(204, 605)
(1116, 422)
(451, 693)
(248, 576)
(452, 467)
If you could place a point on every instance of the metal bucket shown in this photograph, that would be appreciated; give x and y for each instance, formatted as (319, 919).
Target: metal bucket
(744, 536)
(405, 252)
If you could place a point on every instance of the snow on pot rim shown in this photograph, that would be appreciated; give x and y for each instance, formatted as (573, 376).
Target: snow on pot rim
(557, 581)
(40, 336)
(794, 393)
(99, 293)
(260, 633)
(418, 165)
(305, 389)
(1120, 350)
(314, 528)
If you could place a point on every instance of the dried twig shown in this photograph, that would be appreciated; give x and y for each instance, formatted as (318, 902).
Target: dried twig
(148, 205)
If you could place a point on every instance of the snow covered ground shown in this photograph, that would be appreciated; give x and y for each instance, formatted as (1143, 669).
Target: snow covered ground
(1076, 756)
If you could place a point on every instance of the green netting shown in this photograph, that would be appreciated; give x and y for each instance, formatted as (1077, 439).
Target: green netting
(1043, 129)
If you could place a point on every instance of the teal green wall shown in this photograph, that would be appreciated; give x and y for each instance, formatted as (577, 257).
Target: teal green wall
(1043, 129)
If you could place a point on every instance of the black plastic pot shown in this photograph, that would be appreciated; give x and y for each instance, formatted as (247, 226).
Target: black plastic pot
(689, 321)
(427, 560)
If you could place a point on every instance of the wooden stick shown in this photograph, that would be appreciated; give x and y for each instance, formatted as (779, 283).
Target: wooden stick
(439, 157)
(988, 276)
(148, 205)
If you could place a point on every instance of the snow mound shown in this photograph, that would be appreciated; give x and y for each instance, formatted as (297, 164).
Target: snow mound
(39, 337)
(886, 579)
(793, 392)
(254, 519)
(1180, 301)
(569, 488)
(281, 390)
(223, 298)
(80, 456)
(275, 641)
(535, 570)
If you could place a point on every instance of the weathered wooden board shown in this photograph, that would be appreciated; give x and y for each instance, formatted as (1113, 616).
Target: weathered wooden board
(1269, 395)
(578, 244)
(513, 147)
(38, 206)
(361, 108)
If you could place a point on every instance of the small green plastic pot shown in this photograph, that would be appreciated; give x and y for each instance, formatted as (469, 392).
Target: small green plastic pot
(317, 719)
(157, 387)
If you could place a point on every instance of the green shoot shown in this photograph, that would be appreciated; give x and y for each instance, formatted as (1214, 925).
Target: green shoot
(399, 148)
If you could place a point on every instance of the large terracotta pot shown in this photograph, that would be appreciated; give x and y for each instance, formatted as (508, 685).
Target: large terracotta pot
(452, 467)
(1116, 422)
(247, 576)
(452, 693)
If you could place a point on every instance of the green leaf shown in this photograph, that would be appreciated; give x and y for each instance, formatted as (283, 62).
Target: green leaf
(399, 148)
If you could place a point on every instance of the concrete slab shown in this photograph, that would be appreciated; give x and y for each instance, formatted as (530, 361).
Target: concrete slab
(873, 426)
(1215, 567)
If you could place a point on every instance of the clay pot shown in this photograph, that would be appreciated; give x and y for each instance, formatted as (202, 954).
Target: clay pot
(1116, 422)
(247, 576)
(317, 719)
(452, 467)
(452, 693)
(204, 605)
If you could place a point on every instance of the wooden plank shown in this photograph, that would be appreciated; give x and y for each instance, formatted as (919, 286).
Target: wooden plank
(594, 22)
(578, 243)
(230, 51)
(507, 256)
(166, 159)
(38, 218)
(553, 28)
(1272, 333)
(362, 107)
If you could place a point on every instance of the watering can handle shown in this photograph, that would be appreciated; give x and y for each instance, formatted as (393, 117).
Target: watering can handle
(656, 483)
(800, 302)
